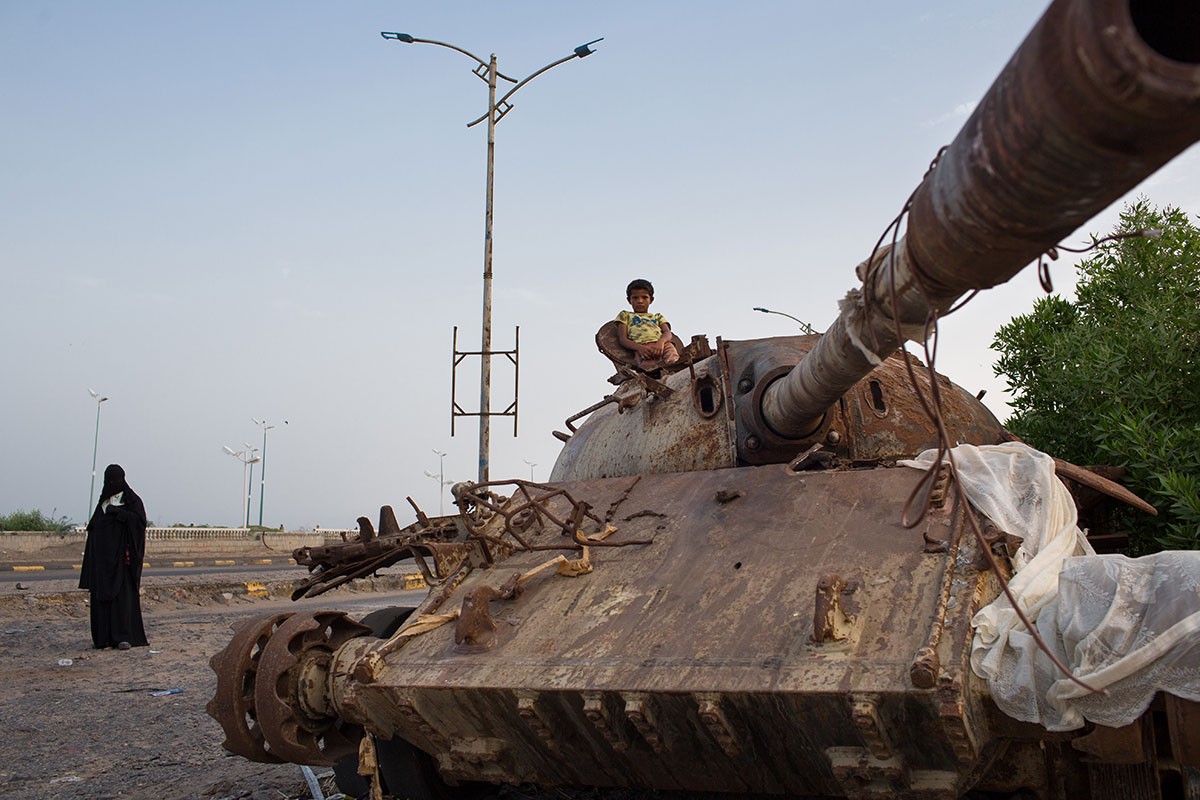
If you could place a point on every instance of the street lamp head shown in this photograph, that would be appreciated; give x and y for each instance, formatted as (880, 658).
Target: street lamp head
(399, 37)
(584, 50)
(229, 450)
(804, 326)
(254, 460)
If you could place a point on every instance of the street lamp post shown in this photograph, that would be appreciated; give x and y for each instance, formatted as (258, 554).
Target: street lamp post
(442, 484)
(250, 480)
(496, 110)
(804, 326)
(248, 460)
(262, 484)
(441, 481)
(531, 466)
(95, 446)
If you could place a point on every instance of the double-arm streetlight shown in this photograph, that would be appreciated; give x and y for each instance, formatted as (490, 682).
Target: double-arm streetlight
(95, 444)
(804, 326)
(262, 485)
(248, 459)
(250, 480)
(531, 466)
(487, 71)
(441, 479)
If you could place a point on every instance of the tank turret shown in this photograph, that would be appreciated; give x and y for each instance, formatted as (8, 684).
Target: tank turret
(1098, 97)
(715, 590)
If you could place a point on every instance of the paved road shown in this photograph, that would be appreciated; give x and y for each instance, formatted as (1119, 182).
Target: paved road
(279, 571)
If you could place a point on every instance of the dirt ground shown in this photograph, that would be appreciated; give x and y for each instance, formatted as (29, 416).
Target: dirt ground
(84, 723)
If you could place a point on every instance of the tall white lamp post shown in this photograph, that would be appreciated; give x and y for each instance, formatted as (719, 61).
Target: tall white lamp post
(95, 445)
(441, 478)
(262, 484)
(442, 484)
(248, 459)
(250, 481)
(531, 466)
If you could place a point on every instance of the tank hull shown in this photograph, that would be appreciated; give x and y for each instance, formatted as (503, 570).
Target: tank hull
(764, 641)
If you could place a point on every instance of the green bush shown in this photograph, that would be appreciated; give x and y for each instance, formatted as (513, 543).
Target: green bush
(1111, 377)
(20, 520)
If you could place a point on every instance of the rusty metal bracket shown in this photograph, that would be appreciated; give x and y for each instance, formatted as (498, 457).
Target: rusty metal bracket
(864, 709)
(952, 710)
(641, 713)
(474, 629)
(527, 710)
(715, 720)
(831, 621)
(597, 711)
(407, 706)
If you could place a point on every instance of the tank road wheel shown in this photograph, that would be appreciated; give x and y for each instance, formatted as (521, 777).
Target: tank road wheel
(290, 697)
(233, 704)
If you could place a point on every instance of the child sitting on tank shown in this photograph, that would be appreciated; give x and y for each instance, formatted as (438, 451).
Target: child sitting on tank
(647, 335)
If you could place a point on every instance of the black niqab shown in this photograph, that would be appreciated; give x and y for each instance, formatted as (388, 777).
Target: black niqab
(114, 481)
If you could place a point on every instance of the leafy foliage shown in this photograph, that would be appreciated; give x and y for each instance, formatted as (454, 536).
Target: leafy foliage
(1111, 378)
(34, 521)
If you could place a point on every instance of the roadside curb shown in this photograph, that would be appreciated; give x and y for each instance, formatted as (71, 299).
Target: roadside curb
(157, 563)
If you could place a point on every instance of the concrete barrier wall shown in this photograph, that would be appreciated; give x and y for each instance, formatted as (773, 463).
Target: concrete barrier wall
(197, 541)
(29, 543)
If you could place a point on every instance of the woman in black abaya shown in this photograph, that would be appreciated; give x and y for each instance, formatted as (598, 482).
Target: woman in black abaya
(112, 564)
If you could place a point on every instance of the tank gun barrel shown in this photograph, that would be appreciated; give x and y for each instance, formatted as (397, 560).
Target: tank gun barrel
(1099, 96)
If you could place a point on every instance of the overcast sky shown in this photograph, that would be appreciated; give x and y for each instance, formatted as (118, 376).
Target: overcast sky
(223, 210)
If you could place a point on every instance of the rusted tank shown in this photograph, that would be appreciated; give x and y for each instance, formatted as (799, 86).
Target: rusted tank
(717, 590)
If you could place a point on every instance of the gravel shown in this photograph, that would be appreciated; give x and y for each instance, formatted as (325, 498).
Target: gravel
(85, 723)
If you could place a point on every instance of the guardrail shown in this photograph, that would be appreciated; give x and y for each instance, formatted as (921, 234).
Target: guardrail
(192, 534)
